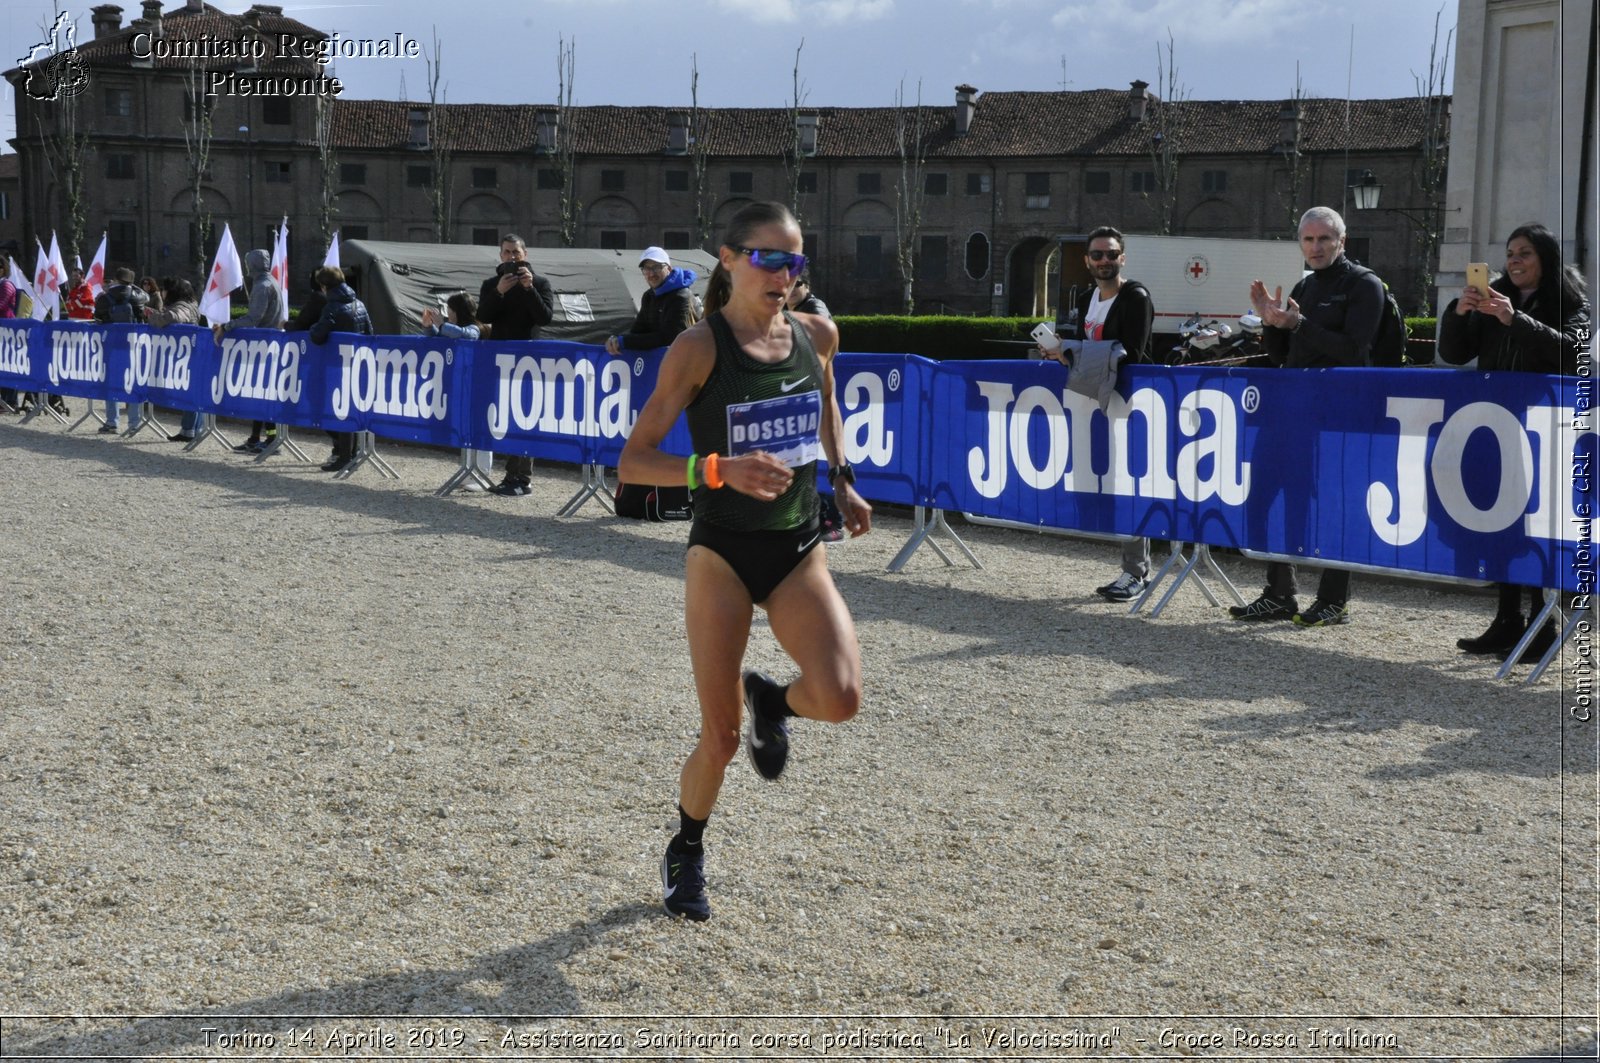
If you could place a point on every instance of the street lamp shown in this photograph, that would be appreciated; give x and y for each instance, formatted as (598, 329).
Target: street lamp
(1366, 192)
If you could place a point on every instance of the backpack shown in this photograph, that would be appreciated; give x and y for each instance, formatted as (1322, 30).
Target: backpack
(1389, 346)
(642, 502)
(120, 311)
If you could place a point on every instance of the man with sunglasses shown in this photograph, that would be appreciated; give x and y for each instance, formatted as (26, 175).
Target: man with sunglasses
(1120, 310)
(516, 302)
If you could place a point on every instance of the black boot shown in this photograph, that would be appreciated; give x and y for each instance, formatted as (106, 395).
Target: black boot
(1501, 636)
(1541, 643)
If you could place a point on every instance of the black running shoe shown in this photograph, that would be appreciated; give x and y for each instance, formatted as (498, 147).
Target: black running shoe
(1266, 607)
(1323, 614)
(683, 885)
(769, 737)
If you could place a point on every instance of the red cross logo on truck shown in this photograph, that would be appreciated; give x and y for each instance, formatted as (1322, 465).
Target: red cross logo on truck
(1197, 269)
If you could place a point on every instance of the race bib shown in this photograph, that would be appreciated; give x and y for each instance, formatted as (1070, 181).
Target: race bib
(785, 427)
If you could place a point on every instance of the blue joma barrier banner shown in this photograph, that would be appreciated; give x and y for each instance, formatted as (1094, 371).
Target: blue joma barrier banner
(1463, 474)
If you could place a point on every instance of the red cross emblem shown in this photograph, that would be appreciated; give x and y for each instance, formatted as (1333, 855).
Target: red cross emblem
(1196, 269)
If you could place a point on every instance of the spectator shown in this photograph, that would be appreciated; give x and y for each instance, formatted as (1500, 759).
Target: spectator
(1530, 320)
(179, 308)
(152, 291)
(122, 303)
(80, 296)
(265, 311)
(664, 311)
(461, 319)
(8, 309)
(802, 300)
(311, 310)
(343, 312)
(1331, 320)
(515, 303)
(1117, 309)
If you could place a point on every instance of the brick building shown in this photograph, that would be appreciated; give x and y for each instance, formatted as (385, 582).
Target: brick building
(1004, 173)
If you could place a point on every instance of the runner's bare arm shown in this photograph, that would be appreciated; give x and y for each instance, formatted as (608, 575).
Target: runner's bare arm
(855, 510)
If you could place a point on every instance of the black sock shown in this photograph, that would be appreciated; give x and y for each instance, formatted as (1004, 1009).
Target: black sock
(687, 840)
(774, 701)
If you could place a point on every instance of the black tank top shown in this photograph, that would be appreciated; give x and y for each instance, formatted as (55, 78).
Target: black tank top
(746, 405)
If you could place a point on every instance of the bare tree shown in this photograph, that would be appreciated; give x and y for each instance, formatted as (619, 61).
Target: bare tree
(439, 143)
(565, 149)
(1166, 141)
(699, 156)
(797, 154)
(328, 167)
(911, 142)
(1297, 172)
(197, 147)
(66, 145)
(1433, 166)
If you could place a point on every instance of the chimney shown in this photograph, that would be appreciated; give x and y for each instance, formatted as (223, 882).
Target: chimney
(107, 20)
(194, 7)
(966, 105)
(418, 119)
(1289, 125)
(544, 133)
(805, 131)
(1138, 99)
(677, 133)
(152, 18)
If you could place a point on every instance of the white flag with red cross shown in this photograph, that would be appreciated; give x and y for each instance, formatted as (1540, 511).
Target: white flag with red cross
(96, 277)
(280, 265)
(226, 275)
(46, 285)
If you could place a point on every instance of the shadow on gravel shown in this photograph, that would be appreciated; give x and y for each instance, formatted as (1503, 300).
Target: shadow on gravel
(1224, 662)
(514, 984)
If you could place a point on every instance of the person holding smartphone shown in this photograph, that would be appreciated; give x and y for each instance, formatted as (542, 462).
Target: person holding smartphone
(1118, 309)
(1534, 319)
(515, 304)
(752, 371)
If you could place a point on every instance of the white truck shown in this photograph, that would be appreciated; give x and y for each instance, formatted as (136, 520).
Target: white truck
(1187, 275)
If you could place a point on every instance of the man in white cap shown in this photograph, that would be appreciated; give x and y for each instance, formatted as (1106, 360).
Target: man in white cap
(664, 311)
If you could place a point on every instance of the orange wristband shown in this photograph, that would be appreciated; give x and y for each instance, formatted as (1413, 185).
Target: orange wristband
(711, 472)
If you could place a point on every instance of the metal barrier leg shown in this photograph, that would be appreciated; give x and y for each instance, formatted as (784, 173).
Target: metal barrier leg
(42, 407)
(1550, 655)
(208, 430)
(1552, 607)
(282, 441)
(593, 484)
(147, 420)
(1173, 559)
(88, 414)
(923, 529)
(1216, 570)
(366, 452)
(466, 472)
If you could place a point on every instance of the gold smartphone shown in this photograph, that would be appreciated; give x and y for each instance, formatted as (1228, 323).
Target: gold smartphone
(1478, 276)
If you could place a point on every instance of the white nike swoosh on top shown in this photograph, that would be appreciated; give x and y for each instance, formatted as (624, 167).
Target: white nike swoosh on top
(786, 388)
(803, 547)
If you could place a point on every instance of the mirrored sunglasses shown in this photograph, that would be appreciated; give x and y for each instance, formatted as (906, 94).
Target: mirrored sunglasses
(774, 261)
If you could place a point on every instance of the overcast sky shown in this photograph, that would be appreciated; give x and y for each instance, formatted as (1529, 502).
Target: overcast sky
(856, 52)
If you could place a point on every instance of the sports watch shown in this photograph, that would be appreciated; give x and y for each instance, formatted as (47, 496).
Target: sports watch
(842, 471)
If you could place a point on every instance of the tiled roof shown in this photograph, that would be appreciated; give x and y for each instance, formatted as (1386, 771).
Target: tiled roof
(1004, 124)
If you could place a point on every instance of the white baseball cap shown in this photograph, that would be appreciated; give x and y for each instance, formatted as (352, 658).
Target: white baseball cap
(655, 254)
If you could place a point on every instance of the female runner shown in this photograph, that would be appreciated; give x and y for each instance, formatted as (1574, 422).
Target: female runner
(757, 382)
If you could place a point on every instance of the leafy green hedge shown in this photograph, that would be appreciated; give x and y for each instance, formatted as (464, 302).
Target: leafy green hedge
(951, 338)
(936, 336)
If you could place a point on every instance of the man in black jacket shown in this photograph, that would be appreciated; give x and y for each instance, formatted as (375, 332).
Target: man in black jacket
(1116, 309)
(1331, 320)
(515, 303)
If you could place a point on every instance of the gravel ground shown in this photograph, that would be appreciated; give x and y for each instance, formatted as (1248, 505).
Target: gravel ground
(278, 748)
